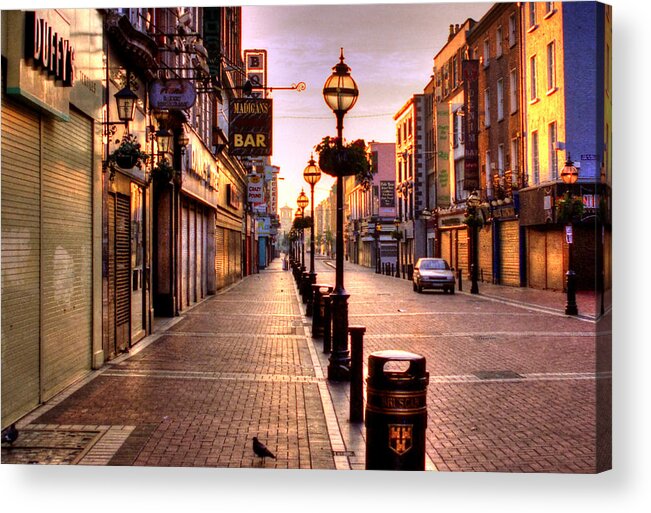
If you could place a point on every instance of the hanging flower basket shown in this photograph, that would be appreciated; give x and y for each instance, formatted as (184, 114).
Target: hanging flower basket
(128, 154)
(349, 160)
(569, 208)
(474, 220)
(396, 235)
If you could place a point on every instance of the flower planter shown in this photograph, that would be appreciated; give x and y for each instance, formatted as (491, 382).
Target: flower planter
(126, 161)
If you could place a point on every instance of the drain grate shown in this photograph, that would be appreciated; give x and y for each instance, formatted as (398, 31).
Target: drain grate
(343, 453)
(48, 447)
(492, 375)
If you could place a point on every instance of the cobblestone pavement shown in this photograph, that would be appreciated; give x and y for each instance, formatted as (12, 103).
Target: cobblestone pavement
(513, 387)
(237, 365)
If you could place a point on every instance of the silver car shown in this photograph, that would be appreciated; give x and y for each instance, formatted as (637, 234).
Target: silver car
(433, 273)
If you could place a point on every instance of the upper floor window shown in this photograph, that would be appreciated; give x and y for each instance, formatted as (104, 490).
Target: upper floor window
(533, 78)
(549, 7)
(553, 160)
(532, 14)
(486, 52)
(512, 30)
(500, 99)
(455, 72)
(551, 67)
(498, 43)
(487, 107)
(500, 159)
(535, 158)
(513, 91)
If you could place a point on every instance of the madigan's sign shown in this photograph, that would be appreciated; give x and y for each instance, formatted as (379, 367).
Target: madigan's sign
(250, 127)
(470, 75)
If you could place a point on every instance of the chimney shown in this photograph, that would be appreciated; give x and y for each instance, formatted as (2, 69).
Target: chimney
(456, 28)
(451, 33)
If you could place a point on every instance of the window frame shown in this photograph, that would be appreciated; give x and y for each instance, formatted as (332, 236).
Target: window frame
(500, 99)
(551, 67)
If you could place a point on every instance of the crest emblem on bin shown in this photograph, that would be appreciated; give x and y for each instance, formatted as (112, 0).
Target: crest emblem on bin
(400, 438)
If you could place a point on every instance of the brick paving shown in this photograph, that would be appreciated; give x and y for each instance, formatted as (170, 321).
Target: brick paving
(235, 366)
(513, 383)
(545, 420)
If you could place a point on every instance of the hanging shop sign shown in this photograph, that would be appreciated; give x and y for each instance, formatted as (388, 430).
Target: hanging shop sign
(470, 74)
(256, 189)
(443, 155)
(173, 94)
(256, 71)
(250, 127)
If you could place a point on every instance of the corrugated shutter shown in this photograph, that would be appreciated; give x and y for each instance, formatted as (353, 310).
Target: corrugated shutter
(122, 273)
(510, 253)
(446, 246)
(185, 226)
(537, 261)
(219, 257)
(555, 272)
(111, 348)
(66, 251)
(21, 246)
(192, 254)
(462, 250)
(485, 240)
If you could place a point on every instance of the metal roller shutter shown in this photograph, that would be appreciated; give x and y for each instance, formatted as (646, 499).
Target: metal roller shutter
(219, 257)
(446, 247)
(185, 264)
(536, 255)
(66, 251)
(21, 247)
(485, 239)
(510, 253)
(122, 272)
(200, 254)
(192, 254)
(462, 250)
(555, 267)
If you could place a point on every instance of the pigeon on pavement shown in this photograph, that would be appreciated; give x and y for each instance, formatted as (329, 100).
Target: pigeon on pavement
(261, 450)
(10, 435)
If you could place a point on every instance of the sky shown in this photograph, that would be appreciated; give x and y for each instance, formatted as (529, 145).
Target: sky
(390, 49)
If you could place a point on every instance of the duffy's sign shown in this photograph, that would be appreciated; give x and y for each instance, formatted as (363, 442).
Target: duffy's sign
(250, 127)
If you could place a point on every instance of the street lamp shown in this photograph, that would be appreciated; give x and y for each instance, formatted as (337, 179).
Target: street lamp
(340, 93)
(311, 174)
(377, 231)
(472, 211)
(302, 202)
(569, 175)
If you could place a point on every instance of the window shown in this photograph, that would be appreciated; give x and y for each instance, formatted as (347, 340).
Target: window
(500, 159)
(500, 100)
(515, 154)
(498, 44)
(486, 52)
(532, 14)
(513, 91)
(532, 71)
(489, 175)
(553, 159)
(487, 107)
(457, 135)
(549, 7)
(551, 67)
(455, 72)
(512, 30)
(535, 161)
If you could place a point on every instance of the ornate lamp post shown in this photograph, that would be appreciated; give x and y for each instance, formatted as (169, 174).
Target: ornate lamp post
(569, 175)
(340, 93)
(472, 211)
(377, 231)
(302, 202)
(311, 174)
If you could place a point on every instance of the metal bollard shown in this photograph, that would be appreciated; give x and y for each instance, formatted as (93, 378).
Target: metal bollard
(356, 373)
(305, 286)
(327, 324)
(316, 309)
(460, 279)
(396, 412)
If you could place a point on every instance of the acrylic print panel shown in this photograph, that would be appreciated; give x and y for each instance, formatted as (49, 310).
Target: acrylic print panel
(443, 305)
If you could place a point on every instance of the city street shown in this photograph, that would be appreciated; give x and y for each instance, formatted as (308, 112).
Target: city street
(512, 386)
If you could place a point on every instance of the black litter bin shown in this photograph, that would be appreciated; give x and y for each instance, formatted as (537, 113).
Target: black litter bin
(396, 412)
